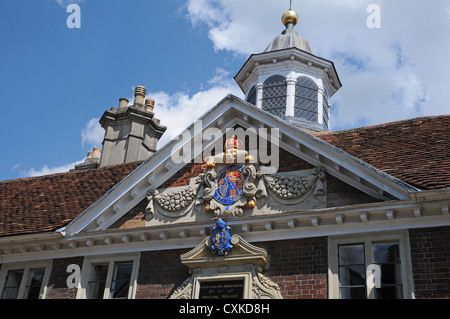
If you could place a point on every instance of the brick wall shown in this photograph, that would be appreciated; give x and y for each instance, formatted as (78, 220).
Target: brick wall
(299, 267)
(57, 286)
(430, 256)
(160, 272)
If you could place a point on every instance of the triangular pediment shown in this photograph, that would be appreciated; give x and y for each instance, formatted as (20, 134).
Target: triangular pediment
(231, 112)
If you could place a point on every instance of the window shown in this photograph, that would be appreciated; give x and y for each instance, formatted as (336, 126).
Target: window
(352, 269)
(251, 98)
(121, 280)
(375, 267)
(274, 95)
(109, 278)
(96, 285)
(387, 257)
(306, 99)
(325, 102)
(24, 282)
(13, 280)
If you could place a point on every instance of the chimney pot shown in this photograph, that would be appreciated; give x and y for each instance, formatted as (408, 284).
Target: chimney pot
(139, 95)
(150, 104)
(97, 152)
(123, 102)
(89, 155)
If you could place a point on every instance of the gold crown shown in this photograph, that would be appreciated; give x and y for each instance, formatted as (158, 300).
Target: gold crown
(233, 143)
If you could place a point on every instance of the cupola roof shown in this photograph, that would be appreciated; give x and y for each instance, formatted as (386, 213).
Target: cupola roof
(289, 38)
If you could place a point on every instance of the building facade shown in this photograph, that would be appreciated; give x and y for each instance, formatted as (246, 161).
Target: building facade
(255, 200)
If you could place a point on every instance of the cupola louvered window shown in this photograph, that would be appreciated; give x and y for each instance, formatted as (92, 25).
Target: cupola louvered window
(306, 99)
(251, 98)
(274, 95)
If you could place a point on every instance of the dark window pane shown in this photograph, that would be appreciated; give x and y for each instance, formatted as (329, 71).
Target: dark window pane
(352, 293)
(389, 274)
(252, 96)
(386, 253)
(352, 275)
(96, 286)
(12, 285)
(34, 283)
(351, 255)
(389, 292)
(387, 257)
(121, 280)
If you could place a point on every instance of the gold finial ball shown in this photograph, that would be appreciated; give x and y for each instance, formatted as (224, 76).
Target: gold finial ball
(289, 16)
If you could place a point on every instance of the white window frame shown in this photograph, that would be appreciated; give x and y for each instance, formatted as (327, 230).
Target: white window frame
(402, 237)
(90, 262)
(5, 268)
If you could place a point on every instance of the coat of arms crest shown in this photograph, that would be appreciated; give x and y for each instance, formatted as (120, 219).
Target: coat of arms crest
(221, 238)
(229, 186)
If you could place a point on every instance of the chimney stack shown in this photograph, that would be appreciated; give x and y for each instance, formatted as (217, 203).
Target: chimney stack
(131, 131)
(139, 95)
(92, 160)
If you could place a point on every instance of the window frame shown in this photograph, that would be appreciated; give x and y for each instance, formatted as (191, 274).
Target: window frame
(306, 84)
(27, 268)
(89, 264)
(402, 237)
(270, 85)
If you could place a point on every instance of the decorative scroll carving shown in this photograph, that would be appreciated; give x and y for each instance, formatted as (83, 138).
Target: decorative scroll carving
(244, 261)
(263, 287)
(232, 188)
(184, 291)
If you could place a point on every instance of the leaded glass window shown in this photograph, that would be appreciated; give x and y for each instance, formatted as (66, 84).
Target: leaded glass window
(325, 110)
(251, 98)
(306, 99)
(274, 95)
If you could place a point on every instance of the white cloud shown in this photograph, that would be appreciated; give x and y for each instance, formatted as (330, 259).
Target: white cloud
(179, 110)
(92, 134)
(45, 170)
(65, 3)
(395, 72)
(176, 111)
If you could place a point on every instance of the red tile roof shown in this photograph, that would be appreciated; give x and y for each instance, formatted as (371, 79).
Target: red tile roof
(46, 203)
(417, 151)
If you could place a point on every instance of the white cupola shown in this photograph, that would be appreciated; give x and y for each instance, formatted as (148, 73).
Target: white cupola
(289, 81)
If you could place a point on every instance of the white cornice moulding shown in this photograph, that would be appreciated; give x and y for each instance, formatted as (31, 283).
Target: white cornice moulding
(363, 218)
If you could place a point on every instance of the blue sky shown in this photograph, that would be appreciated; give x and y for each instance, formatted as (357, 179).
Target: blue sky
(56, 82)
